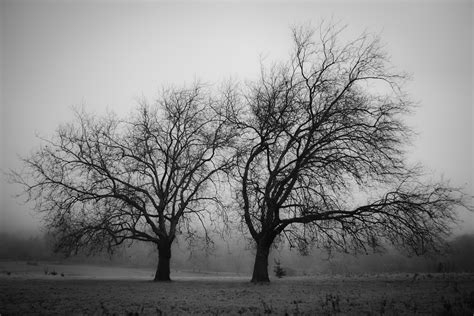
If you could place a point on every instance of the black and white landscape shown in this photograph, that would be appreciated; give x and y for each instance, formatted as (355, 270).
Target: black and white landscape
(236, 158)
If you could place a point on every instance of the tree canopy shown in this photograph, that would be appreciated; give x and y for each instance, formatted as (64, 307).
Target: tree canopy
(103, 181)
(314, 149)
(323, 158)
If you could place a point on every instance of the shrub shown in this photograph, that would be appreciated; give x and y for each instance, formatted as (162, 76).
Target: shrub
(279, 271)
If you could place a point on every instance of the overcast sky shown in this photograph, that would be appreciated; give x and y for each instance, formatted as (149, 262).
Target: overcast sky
(106, 55)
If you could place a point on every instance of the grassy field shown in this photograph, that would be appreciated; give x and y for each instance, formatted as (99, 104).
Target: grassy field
(88, 290)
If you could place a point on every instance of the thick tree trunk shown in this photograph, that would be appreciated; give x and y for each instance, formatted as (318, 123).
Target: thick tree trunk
(164, 257)
(260, 268)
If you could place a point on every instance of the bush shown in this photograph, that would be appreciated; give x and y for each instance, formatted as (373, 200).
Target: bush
(279, 271)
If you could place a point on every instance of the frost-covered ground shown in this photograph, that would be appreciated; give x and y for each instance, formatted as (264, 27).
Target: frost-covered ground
(25, 288)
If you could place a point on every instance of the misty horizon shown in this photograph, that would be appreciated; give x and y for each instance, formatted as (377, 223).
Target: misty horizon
(323, 149)
(130, 61)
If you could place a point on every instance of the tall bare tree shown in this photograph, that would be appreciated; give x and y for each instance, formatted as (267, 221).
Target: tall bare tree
(101, 182)
(322, 153)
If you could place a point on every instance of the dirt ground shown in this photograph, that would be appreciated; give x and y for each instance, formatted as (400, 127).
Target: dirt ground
(28, 292)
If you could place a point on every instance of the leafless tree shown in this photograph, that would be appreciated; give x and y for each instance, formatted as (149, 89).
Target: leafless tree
(104, 181)
(322, 153)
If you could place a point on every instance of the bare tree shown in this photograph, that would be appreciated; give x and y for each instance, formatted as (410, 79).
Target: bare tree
(322, 154)
(101, 182)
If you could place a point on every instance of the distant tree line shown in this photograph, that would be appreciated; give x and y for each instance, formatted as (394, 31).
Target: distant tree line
(234, 258)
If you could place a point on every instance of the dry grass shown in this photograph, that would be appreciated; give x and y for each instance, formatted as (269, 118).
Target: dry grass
(382, 294)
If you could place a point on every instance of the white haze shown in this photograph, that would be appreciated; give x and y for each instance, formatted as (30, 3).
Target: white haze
(107, 55)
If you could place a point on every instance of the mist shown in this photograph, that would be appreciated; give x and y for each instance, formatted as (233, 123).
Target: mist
(236, 257)
(104, 57)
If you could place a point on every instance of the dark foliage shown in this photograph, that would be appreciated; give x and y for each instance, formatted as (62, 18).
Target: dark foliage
(279, 271)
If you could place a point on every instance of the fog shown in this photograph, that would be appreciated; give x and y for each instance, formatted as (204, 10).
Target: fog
(237, 257)
(108, 56)
(55, 56)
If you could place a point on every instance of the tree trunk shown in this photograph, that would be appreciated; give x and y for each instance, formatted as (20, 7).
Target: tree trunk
(260, 268)
(164, 257)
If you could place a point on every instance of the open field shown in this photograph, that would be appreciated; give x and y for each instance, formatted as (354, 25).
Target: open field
(26, 289)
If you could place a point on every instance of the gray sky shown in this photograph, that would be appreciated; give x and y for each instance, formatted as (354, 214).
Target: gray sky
(106, 55)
